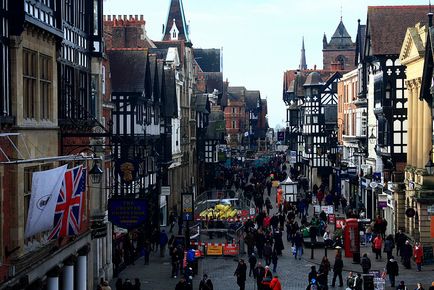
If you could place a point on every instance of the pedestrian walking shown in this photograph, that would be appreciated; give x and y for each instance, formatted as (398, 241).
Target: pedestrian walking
(298, 244)
(312, 274)
(389, 245)
(240, 273)
(259, 274)
(400, 242)
(252, 263)
(365, 263)
(358, 282)
(322, 278)
(268, 251)
(205, 283)
(392, 269)
(137, 284)
(274, 259)
(432, 286)
(119, 284)
(406, 254)
(175, 262)
(163, 242)
(401, 286)
(127, 285)
(266, 280)
(419, 287)
(350, 280)
(418, 256)
(172, 221)
(105, 286)
(377, 245)
(275, 283)
(182, 285)
(325, 264)
(337, 270)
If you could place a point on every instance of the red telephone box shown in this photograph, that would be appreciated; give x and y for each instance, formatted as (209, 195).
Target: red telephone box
(351, 237)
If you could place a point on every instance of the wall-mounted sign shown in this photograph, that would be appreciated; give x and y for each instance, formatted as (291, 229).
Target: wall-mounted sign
(127, 213)
(212, 250)
(99, 232)
(165, 190)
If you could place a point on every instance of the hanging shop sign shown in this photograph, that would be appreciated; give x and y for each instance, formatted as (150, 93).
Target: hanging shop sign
(128, 213)
(98, 231)
(382, 200)
(127, 170)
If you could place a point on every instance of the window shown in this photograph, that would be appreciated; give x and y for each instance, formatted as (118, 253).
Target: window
(234, 124)
(293, 118)
(378, 88)
(45, 86)
(82, 93)
(29, 83)
(234, 110)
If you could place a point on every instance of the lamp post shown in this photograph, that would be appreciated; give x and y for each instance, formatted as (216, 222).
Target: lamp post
(430, 165)
(96, 173)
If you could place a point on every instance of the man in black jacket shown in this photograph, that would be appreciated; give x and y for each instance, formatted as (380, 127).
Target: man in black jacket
(337, 271)
(259, 274)
(252, 263)
(366, 264)
(241, 272)
(392, 270)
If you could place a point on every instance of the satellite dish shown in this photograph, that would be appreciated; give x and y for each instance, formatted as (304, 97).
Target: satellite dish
(373, 184)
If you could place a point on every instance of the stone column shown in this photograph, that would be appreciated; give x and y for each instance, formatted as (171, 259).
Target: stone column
(410, 88)
(81, 273)
(420, 126)
(427, 132)
(414, 125)
(53, 279)
(68, 276)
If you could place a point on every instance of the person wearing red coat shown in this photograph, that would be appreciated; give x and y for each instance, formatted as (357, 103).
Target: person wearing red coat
(275, 284)
(418, 255)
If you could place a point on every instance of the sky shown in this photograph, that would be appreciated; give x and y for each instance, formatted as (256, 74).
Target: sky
(260, 38)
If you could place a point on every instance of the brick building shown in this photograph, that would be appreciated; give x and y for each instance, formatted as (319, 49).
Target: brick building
(339, 52)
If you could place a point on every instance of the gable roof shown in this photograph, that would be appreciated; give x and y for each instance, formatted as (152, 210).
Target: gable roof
(128, 70)
(209, 60)
(387, 25)
(176, 15)
(236, 93)
(252, 98)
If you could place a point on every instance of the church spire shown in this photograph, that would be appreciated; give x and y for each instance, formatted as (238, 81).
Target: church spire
(303, 65)
(176, 27)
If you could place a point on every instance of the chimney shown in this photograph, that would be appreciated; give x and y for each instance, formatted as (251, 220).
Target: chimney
(141, 17)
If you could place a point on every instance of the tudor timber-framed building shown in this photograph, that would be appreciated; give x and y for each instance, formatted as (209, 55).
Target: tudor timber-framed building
(387, 105)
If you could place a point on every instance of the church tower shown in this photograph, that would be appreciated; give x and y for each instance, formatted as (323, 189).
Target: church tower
(176, 27)
(303, 65)
(339, 53)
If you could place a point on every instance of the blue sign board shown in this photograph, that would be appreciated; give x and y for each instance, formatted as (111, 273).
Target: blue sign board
(127, 213)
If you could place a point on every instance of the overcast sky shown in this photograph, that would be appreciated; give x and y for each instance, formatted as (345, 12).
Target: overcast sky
(260, 38)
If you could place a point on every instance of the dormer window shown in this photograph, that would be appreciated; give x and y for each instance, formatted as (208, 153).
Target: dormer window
(174, 32)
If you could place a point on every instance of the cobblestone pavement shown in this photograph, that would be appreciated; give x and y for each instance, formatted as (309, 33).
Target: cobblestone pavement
(292, 273)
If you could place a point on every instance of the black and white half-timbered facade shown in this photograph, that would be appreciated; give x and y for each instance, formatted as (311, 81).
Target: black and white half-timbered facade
(319, 126)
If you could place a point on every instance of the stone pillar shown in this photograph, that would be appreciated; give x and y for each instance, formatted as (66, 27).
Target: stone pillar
(68, 276)
(427, 132)
(420, 126)
(414, 126)
(81, 272)
(53, 279)
(410, 88)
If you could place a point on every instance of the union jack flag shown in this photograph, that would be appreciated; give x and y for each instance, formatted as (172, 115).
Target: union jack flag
(69, 208)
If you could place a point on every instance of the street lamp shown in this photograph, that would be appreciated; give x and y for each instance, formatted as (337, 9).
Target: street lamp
(96, 173)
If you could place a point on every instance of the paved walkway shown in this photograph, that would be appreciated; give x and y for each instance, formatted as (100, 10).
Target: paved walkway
(292, 273)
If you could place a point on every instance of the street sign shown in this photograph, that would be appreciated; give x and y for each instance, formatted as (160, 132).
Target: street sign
(165, 190)
(187, 206)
